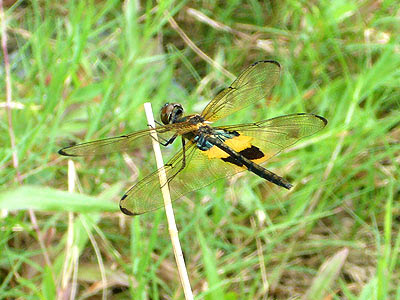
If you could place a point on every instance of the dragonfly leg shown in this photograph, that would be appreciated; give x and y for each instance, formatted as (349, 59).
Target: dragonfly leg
(183, 160)
(184, 155)
(162, 139)
(165, 141)
(170, 141)
(158, 123)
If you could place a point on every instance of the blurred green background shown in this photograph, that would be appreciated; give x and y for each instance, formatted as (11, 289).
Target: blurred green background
(81, 70)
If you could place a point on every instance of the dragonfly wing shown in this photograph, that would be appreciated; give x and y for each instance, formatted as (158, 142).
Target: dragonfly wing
(146, 195)
(273, 135)
(252, 85)
(123, 142)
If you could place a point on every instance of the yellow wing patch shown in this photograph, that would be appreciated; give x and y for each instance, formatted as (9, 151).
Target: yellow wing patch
(262, 159)
(265, 157)
(237, 143)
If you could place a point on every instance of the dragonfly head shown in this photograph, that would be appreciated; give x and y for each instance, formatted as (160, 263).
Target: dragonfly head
(171, 112)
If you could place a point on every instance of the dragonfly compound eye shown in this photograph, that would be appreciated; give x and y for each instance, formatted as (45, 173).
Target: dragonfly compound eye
(165, 113)
(171, 112)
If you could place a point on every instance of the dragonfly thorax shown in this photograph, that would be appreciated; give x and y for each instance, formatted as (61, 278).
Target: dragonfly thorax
(171, 112)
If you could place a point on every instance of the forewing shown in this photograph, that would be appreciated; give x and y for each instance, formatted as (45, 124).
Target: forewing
(274, 135)
(123, 142)
(252, 85)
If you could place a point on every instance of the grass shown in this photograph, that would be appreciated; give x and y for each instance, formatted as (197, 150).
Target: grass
(81, 70)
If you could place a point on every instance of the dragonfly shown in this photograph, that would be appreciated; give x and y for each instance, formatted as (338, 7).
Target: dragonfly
(211, 153)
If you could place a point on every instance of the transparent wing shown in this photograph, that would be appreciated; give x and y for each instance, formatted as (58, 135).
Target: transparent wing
(123, 142)
(271, 136)
(200, 171)
(252, 85)
(276, 134)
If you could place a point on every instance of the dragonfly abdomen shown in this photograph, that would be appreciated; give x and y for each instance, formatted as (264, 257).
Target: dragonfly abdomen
(240, 160)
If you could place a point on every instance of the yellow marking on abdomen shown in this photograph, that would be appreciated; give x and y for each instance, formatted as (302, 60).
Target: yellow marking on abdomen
(237, 143)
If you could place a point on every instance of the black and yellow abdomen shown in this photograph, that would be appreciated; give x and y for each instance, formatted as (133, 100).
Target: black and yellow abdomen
(234, 140)
(237, 149)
